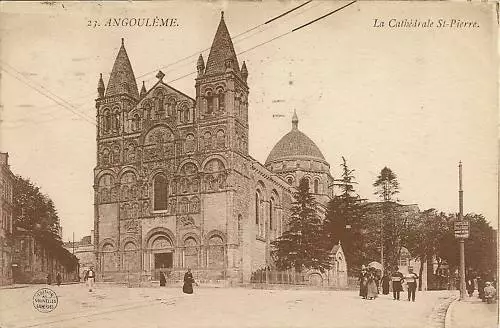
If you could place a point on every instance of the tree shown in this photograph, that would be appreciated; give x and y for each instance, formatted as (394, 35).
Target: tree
(386, 185)
(425, 237)
(302, 244)
(480, 247)
(392, 222)
(343, 221)
(34, 211)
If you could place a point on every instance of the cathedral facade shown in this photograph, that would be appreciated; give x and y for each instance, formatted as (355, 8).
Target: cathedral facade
(174, 184)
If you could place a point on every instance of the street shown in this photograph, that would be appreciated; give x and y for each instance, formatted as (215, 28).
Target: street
(117, 306)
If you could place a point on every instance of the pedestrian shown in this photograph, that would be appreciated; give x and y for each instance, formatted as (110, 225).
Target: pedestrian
(385, 283)
(363, 282)
(49, 279)
(372, 284)
(188, 282)
(480, 287)
(469, 284)
(163, 280)
(397, 287)
(489, 293)
(411, 281)
(90, 278)
(58, 279)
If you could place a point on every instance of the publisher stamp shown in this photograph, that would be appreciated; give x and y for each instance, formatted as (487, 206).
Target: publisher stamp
(45, 300)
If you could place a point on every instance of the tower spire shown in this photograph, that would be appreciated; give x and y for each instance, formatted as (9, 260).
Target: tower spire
(143, 90)
(122, 79)
(222, 56)
(295, 120)
(100, 87)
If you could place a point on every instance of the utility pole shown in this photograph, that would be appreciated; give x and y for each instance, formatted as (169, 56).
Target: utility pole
(461, 239)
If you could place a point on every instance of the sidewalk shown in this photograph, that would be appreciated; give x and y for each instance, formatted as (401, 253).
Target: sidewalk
(472, 313)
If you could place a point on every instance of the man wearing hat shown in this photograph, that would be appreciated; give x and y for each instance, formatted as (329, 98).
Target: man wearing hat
(397, 278)
(411, 281)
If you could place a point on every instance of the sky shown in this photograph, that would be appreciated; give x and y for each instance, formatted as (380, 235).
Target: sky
(417, 100)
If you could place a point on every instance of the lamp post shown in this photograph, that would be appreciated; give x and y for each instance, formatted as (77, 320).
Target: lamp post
(461, 236)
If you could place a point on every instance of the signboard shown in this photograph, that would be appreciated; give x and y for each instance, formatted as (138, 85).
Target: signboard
(462, 229)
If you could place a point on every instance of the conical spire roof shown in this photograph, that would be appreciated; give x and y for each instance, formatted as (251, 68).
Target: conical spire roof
(221, 50)
(143, 90)
(122, 79)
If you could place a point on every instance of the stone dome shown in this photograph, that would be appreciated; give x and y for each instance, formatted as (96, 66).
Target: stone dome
(295, 145)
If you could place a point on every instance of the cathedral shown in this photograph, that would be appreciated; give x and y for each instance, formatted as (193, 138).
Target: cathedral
(175, 186)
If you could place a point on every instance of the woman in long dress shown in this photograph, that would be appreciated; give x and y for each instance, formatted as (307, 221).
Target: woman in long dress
(188, 282)
(372, 285)
(163, 280)
(385, 283)
(363, 283)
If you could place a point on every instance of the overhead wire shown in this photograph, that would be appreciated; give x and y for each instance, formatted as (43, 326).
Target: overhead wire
(71, 108)
(43, 92)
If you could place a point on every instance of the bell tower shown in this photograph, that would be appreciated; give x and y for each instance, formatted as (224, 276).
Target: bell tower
(118, 98)
(222, 93)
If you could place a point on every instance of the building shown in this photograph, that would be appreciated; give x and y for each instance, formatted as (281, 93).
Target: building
(84, 252)
(6, 210)
(38, 260)
(174, 184)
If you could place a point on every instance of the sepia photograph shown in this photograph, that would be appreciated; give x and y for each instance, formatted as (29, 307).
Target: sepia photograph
(296, 163)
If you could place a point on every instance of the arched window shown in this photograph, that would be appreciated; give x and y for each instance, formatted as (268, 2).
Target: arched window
(257, 207)
(186, 115)
(116, 121)
(170, 106)
(160, 193)
(237, 104)
(221, 139)
(271, 209)
(221, 99)
(147, 110)
(207, 140)
(316, 186)
(136, 122)
(107, 121)
(210, 102)
(194, 205)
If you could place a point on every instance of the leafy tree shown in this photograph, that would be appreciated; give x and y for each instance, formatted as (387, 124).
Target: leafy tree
(302, 245)
(393, 222)
(425, 237)
(34, 211)
(344, 220)
(386, 185)
(480, 247)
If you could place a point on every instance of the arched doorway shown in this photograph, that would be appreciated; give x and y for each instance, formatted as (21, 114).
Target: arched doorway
(162, 255)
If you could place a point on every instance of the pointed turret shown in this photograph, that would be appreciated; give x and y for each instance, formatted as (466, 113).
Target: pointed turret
(100, 87)
(122, 79)
(200, 65)
(244, 71)
(295, 120)
(222, 56)
(143, 90)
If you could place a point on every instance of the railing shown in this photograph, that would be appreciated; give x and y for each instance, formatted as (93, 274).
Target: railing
(279, 277)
